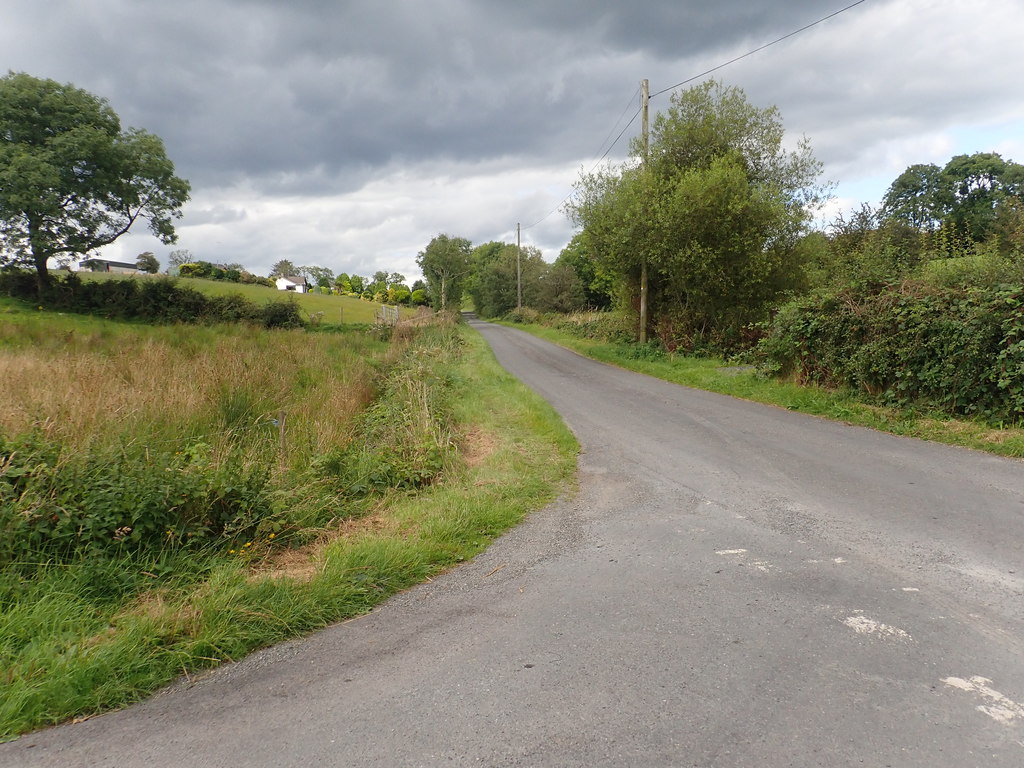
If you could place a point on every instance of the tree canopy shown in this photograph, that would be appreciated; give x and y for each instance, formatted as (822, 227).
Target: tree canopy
(71, 180)
(445, 263)
(714, 210)
(598, 286)
(283, 268)
(494, 287)
(966, 196)
(147, 262)
(320, 276)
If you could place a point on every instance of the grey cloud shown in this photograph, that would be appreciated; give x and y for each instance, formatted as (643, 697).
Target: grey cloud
(317, 98)
(258, 89)
(216, 214)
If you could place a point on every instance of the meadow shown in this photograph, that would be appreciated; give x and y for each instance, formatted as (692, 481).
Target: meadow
(174, 497)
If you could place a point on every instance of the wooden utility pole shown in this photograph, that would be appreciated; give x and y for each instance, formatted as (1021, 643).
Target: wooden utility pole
(519, 267)
(645, 100)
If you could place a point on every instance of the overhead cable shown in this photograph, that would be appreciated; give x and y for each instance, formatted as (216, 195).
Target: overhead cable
(756, 50)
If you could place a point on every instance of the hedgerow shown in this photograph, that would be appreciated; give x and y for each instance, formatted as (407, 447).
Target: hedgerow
(959, 350)
(154, 300)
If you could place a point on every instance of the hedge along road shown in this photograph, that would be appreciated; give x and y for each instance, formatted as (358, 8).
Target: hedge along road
(732, 585)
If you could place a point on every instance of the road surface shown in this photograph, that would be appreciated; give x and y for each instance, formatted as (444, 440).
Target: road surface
(733, 585)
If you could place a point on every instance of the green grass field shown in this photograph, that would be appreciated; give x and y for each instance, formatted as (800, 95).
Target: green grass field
(336, 309)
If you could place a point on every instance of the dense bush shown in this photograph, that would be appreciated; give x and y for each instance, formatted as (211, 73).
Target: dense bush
(208, 271)
(160, 300)
(611, 326)
(957, 349)
(58, 504)
(404, 439)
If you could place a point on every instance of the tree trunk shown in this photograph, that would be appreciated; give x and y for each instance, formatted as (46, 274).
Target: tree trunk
(39, 258)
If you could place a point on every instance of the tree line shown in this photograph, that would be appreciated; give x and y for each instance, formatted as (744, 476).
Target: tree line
(499, 277)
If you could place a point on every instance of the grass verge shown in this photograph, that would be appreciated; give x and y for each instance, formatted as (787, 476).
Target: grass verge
(716, 375)
(81, 638)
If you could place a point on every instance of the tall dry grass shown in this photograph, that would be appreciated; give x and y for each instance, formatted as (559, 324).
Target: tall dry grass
(83, 384)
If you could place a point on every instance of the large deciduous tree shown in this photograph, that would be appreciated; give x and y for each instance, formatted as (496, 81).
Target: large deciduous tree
(915, 197)
(495, 280)
(976, 186)
(598, 286)
(445, 263)
(967, 196)
(320, 276)
(283, 268)
(714, 210)
(178, 257)
(147, 262)
(71, 180)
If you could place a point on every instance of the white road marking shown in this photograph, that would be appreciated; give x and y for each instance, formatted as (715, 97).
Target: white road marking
(911, 589)
(838, 560)
(862, 625)
(999, 707)
(731, 552)
(762, 566)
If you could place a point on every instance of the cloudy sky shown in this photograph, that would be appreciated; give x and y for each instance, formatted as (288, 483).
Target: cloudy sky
(347, 133)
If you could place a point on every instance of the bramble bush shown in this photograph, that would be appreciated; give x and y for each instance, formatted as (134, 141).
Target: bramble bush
(957, 349)
(62, 505)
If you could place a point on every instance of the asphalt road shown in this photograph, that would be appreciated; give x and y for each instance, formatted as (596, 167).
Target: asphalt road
(733, 585)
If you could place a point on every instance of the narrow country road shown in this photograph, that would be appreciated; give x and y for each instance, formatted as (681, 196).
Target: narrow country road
(733, 585)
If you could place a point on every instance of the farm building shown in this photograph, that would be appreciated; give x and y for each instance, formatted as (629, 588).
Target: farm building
(104, 265)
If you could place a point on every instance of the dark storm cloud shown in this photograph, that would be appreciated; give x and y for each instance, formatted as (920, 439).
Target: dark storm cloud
(239, 88)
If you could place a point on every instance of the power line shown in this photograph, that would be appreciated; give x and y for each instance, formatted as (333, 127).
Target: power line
(619, 120)
(756, 50)
(602, 157)
(690, 80)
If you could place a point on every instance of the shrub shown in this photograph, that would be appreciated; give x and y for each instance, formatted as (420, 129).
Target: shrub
(960, 350)
(67, 505)
(523, 315)
(232, 308)
(281, 314)
(615, 327)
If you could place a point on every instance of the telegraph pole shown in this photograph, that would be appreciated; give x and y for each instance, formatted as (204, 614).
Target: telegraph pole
(519, 268)
(645, 100)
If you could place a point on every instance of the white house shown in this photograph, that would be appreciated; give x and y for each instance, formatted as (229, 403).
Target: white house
(295, 283)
